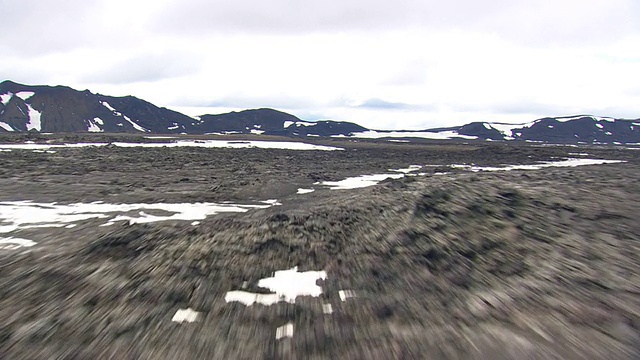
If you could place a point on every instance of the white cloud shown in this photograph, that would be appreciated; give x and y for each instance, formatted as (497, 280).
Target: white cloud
(406, 64)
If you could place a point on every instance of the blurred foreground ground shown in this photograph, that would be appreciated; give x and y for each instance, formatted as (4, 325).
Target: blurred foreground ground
(539, 264)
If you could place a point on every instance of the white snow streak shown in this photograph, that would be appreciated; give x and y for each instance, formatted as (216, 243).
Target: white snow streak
(290, 145)
(117, 113)
(6, 126)
(410, 169)
(305, 191)
(442, 135)
(11, 243)
(106, 104)
(135, 126)
(570, 162)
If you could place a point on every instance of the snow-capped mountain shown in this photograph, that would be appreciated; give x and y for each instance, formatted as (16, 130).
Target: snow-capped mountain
(272, 122)
(564, 129)
(58, 109)
(62, 109)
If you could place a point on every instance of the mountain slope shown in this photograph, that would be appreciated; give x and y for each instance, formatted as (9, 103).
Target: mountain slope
(62, 109)
(565, 129)
(568, 129)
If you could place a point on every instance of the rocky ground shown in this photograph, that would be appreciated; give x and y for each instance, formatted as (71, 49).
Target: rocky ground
(534, 264)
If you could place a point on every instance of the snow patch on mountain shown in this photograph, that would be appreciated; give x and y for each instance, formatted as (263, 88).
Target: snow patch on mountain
(35, 116)
(106, 104)
(4, 98)
(117, 113)
(6, 126)
(24, 95)
(298, 123)
(92, 125)
(594, 118)
(507, 129)
(135, 126)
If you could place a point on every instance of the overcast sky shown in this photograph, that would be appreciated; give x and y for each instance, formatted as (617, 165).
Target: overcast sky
(383, 64)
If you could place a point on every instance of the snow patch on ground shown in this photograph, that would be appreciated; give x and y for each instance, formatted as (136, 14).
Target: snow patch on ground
(304, 191)
(188, 315)
(290, 145)
(599, 126)
(570, 162)
(285, 285)
(359, 181)
(410, 169)
(11, 243)
(346, 294)
(442, 135)
(285, 331)
(257, 132)
(224, 133)
(16, 215)
(34, 119)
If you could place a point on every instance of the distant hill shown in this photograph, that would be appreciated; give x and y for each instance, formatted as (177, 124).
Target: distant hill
(58, 109)
(62, 109)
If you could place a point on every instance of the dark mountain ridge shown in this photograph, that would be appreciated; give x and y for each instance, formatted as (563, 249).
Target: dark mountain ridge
(57, 109)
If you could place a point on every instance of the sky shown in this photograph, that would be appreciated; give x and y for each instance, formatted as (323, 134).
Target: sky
(403, 64)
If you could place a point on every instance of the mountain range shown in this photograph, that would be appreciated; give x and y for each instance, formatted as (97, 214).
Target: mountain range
(61, 109)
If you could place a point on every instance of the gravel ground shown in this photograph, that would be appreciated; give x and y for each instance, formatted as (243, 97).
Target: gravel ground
(537, 264)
